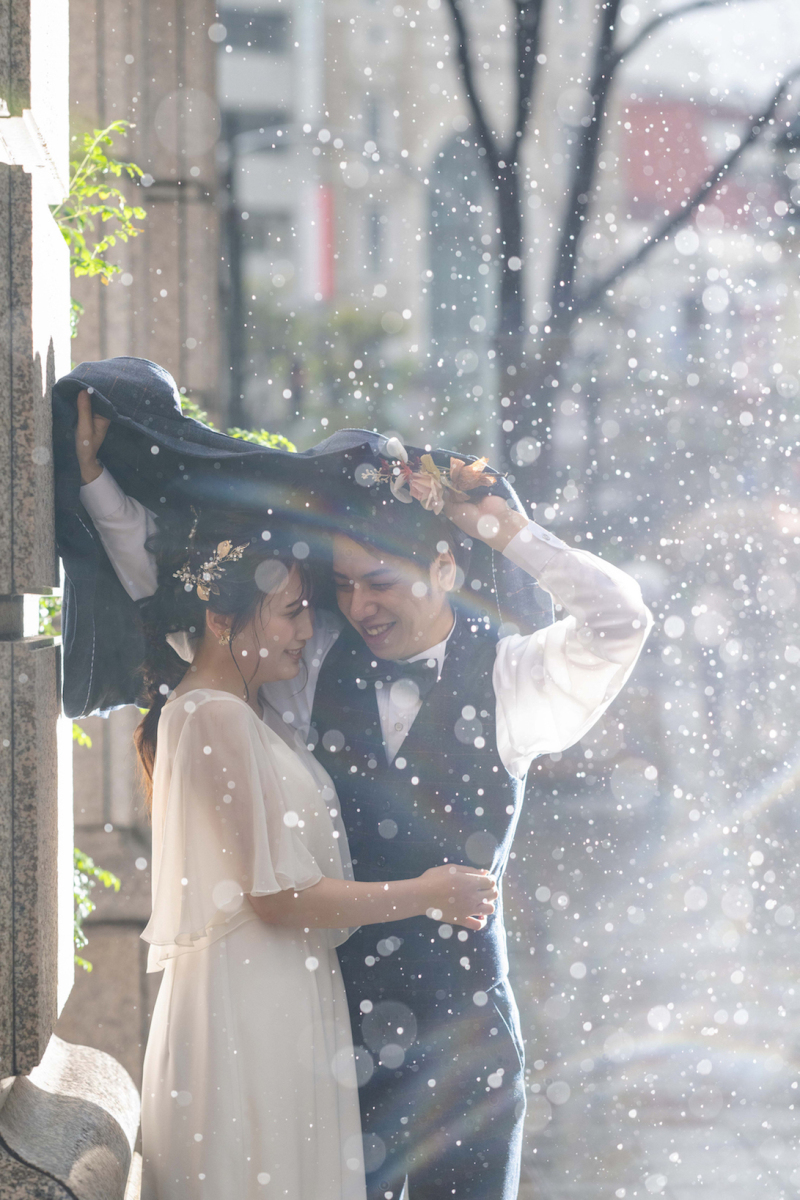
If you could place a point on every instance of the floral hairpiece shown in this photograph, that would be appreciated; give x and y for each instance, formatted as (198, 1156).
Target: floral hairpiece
(424, 480)
(206, 576)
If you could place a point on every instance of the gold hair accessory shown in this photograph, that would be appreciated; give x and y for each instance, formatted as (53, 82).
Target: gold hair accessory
(421, 479)
(205, 578)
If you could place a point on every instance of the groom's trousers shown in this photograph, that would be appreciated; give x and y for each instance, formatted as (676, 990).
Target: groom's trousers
(449, 1116)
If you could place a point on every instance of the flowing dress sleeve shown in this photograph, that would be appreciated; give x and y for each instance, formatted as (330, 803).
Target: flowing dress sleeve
(224, 826)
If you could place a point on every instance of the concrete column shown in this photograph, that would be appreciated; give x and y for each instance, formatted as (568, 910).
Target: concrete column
(34, 349)
(151, 62)
(68, 1115)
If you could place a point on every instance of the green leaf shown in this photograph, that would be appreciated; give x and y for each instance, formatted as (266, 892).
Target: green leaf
(190, 408)
(262, 437)
(50, 616)
(86, 876)
(76, 311)
(79, 213)
(81, 736)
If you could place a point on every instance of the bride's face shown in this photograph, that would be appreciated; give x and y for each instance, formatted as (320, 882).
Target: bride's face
(271, 646)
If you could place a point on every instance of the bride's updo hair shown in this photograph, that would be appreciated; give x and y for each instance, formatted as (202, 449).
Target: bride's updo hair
(182, 545)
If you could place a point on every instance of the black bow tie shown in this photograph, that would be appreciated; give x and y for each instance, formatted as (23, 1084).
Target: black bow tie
(423, 673)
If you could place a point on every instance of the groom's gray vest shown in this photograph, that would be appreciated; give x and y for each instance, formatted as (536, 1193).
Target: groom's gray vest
(446, 798)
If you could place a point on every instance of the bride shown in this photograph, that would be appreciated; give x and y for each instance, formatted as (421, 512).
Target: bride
(250, 1083)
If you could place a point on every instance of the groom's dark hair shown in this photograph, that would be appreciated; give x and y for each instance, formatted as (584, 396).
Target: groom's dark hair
(404, 530)
(384, 525)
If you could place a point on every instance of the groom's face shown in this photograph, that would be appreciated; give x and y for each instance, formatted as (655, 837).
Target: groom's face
(399, 607)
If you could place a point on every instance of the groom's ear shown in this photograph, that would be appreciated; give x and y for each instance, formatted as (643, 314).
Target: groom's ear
(444, 571)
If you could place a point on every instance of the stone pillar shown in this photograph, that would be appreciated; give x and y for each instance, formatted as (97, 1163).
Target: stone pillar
(151, 62)
(68, 1115)
(34, 349)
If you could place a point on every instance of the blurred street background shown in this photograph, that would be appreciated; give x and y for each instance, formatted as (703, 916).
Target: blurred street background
(563, 234)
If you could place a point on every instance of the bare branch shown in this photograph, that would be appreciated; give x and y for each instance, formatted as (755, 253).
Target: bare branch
(527, 31)
(662, 19)
(585, 159)
(679, 217)
(485, 135)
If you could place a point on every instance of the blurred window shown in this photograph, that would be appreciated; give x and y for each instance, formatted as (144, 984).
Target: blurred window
(375, 223)
(256, 130)
(268, 233)
(268, 32)
(458, 287)
(372, 121)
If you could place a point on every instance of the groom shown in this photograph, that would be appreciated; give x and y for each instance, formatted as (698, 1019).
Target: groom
(427, 724)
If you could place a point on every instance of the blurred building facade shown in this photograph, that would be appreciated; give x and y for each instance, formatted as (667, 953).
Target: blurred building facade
(359, 218)
(331, 176)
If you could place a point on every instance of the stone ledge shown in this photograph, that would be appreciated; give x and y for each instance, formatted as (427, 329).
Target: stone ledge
(134, 1189)
(68, 1128)
(18, 1180)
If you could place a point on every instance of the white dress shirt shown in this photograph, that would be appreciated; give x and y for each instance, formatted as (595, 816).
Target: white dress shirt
(398, 706)
(551, 686)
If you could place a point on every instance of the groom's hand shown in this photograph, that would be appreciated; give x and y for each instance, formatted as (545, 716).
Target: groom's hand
(491, 520)
(89, 434)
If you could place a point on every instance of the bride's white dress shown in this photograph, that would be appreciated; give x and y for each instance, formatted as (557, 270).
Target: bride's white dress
(249, 1083)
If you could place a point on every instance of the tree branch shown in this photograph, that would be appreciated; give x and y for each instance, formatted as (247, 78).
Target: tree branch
(662, 19)
(585, 160)
(679, 217)
(527, 29)
(485, 135)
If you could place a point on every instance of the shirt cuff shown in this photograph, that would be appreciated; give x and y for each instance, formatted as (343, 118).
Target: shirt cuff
(102, 497)
(533, 548)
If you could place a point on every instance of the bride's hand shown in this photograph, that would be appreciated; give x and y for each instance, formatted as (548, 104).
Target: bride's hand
(459, 895)
(89, 434)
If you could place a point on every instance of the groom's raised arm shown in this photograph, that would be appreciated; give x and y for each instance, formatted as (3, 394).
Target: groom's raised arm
(124, 525)
(553, 685)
